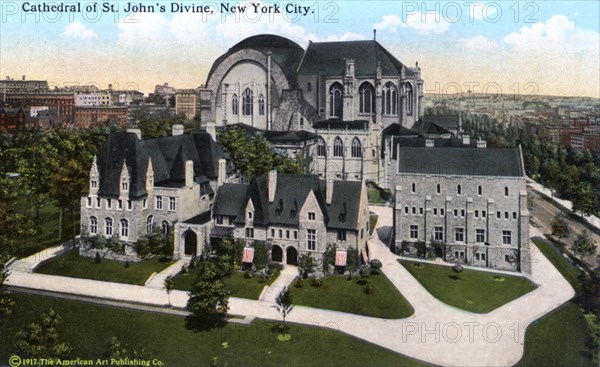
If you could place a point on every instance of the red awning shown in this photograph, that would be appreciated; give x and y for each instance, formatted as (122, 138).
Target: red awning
(248, 255)
(340, 258)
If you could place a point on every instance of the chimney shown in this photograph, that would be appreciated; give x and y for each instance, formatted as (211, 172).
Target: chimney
(272, 185)
(137, 132)
(189, 173)
(23, 77)
(329, 189)
(177, 130)
(222, 173)
(481, 144)
(466, 140)
(429, 143)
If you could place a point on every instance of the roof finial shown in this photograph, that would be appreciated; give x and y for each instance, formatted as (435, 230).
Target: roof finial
(374, 34)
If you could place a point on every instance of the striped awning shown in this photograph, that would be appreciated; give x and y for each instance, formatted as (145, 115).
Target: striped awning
(340, 258)
(248, 255)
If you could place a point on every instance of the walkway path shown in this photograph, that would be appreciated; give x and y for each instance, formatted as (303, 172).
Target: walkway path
(591, 219)
(157, 280)
(436, 333)
(28, 264)
(287, 276)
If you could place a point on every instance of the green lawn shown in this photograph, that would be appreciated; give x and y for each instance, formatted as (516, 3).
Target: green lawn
(75, 266)
(340, 294)
(471, 290)
(88, 329)
(568, 271)
(558, 339)
(237, 284)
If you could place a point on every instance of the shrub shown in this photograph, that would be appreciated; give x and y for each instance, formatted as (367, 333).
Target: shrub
(248, 275)
(98, 258)
(376, 264)
(184, 270)
(457, 268)
(261, 254)
(307, 264)
(299, 283)
(317, 282)
(262, 279)
(369, 289)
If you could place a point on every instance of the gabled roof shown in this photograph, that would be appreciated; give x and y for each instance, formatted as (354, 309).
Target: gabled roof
(421, 142)
(168, 156)
(450, 122)
(327, 58)
(291, 193)
(429, 128)
(461, 161)
(398, 130)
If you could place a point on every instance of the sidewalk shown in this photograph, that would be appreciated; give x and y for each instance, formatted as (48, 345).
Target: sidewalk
(437, 333)
(287, 276)
(157, 280)
(591, 219)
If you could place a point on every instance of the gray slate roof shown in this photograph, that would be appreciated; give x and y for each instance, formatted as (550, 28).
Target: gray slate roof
(437, 143)
(461, 161)
(336, 124)
(327, 58)
(290, 195)
(168, 161)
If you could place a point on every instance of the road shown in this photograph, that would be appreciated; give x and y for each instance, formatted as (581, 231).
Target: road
(543, 213)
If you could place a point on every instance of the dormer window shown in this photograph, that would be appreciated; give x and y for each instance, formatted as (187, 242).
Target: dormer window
(311, 216)
(94, 184)
(249, 215)
(124, 186)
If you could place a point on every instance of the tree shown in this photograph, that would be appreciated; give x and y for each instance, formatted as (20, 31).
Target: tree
(307, 264)
(584, 198)
(583, 245)
(42, 340)
(209, 298)
(284, 306)
(119, 351)
(560, 229)
(6, 301)
(168, 286)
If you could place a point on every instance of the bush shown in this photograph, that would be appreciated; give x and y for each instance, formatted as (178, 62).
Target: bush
(317, 282)
(98, 258)
(261, 254)
(369, 289)
(248, 275)
(299, 283)
(457, 268)
(307, 264)
(262, 279)
(375, 264)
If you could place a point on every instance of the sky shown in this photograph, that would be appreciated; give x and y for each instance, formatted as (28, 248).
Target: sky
(523, 47)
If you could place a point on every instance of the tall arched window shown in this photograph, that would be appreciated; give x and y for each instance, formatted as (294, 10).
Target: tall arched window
(165, 228)
(338, 147)
(506, 191)
(261, 105)
(248, 102)
(235, 105)
(367, 99)
(335, 100)
(390, 99)
(124, 228)
(108, 227)
(356, 148)
(149, 224)
(321, 149)
(459, 189)
(438, 189)
(409, 98)
(479, 190)
(301, 122)
(93, 225)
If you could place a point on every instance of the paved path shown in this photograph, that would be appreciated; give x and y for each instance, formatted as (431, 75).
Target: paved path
(591, 219)
(157, 280)
(28, 264)
(436, 333)
(287, 276)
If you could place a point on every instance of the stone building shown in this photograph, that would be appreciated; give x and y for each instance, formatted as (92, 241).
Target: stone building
(294, 215)
(463, 202)
(12, 120)
(345, 92)
(138, 185)
(87, 116)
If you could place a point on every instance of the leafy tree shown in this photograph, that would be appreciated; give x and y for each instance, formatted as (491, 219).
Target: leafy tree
(157, 124)
(42, 340)
(6, 301)
(584, 198)
(284, 306)
(329, 257)
(351, 260)
(307, 264)
(583, 245)
(560, 229)
(209, 298)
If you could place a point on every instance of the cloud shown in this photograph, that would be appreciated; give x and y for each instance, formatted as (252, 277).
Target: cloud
(557, 34)
(79, 30)
(478, 42)
(422, 23)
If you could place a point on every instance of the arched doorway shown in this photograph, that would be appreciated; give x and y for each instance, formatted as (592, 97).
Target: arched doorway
(276, 254)
(292, 256)
(191, 243)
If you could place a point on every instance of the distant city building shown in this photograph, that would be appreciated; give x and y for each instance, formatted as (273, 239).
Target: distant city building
(100, 115)
(22, 86)
(63, 103)
(12, 120)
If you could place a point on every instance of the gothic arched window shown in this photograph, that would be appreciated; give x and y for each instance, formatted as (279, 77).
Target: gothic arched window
(261, 105)
(390, 99)
(248, 105)
(356, 148)
(234, 105)
(321, 149)
(335, 100)
(93, 225)
(338, 147)
(409, 99)
(149, 225)
(367, 99)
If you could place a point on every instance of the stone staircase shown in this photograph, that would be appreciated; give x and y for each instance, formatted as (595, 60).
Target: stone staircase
(158, 280)
(287, 276)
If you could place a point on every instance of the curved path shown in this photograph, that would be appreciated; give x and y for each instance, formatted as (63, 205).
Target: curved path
(436, 333)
